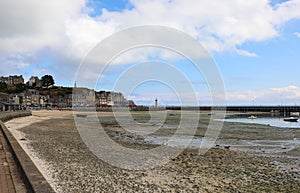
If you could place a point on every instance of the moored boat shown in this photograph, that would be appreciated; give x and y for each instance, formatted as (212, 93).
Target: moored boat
(252, 117)
(81, 115)
(291, 119)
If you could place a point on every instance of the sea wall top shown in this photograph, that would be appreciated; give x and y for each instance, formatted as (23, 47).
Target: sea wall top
(6, 116)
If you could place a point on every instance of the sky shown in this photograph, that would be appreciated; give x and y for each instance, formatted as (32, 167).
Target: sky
(254, 44)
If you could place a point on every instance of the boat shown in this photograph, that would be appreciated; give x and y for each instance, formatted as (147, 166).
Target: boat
(295, 114)
(291, 119)
(81, 115)
(252, 117)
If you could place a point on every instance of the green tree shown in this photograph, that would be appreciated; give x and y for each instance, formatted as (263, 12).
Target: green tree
(20, 88)
(3, 87)
(47, 81)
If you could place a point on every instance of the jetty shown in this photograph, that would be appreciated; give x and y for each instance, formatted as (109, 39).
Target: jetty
(262, 108)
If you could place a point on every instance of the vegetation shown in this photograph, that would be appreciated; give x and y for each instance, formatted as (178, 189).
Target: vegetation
(18, 88)
(47, 81)
(56, 91)
(47, 89)
(3, 87)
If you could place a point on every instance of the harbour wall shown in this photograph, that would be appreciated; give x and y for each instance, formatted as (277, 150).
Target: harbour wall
(30, 175)
(281, 109)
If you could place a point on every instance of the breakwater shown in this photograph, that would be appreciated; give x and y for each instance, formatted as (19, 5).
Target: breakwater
(262, 108)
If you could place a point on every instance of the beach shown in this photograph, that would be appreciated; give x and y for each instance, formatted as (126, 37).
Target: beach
(245, 158)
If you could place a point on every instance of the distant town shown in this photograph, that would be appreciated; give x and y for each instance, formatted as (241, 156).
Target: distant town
(37, 92)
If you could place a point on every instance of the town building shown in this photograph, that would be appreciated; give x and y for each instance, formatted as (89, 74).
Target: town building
(12, 80)
(34, 81)
(83, 97)
(44, 100)
(104, 99)
(4, 79)
(32, 97)
(4, 101)
(15, 99)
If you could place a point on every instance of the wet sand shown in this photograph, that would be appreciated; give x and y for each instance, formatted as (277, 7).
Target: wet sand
(52, 141)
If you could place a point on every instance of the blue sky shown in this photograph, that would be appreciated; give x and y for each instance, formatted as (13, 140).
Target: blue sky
(276, 65)
(98, 6)
(255, 44)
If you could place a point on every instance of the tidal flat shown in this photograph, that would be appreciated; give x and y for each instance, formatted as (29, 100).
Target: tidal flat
(245, 157)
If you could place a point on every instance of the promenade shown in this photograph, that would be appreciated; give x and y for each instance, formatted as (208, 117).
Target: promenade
(6, 180)
(17, 171)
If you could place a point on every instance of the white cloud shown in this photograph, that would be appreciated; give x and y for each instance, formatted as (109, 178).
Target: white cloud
(246, 53)
(297, 34)
(218, 25)
(30, 26)
(64, 27)
(15, 63)
(289, 95)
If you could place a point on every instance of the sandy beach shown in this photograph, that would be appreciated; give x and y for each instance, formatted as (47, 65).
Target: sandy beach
(52, 140)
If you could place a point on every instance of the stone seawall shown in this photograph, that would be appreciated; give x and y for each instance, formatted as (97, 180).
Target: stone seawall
(31, 176)
(6, 116)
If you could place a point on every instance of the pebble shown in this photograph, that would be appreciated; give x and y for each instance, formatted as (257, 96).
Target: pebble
(75, 169)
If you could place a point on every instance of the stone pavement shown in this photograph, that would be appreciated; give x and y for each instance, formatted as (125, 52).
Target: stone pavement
(6, 181)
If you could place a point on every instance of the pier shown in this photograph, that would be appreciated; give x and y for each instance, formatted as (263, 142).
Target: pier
(279, 109)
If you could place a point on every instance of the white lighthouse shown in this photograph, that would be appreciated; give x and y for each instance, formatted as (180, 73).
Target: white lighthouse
(156, 103)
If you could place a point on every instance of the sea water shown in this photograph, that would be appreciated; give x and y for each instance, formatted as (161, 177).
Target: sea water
(272, 121)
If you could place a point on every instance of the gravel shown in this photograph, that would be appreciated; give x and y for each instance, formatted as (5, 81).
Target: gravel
(74, 168)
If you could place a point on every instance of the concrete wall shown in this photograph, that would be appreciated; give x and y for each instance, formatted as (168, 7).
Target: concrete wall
(6, 116)
(31, 176)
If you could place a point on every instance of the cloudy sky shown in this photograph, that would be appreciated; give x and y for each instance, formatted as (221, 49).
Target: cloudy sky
(255, 44)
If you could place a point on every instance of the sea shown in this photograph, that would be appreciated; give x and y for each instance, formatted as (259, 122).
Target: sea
(271, 121)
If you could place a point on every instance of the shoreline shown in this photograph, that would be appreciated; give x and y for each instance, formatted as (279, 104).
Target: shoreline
(14, 126)
(65, 159)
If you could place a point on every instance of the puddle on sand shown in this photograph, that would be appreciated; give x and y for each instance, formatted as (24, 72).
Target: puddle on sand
(264, 147)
